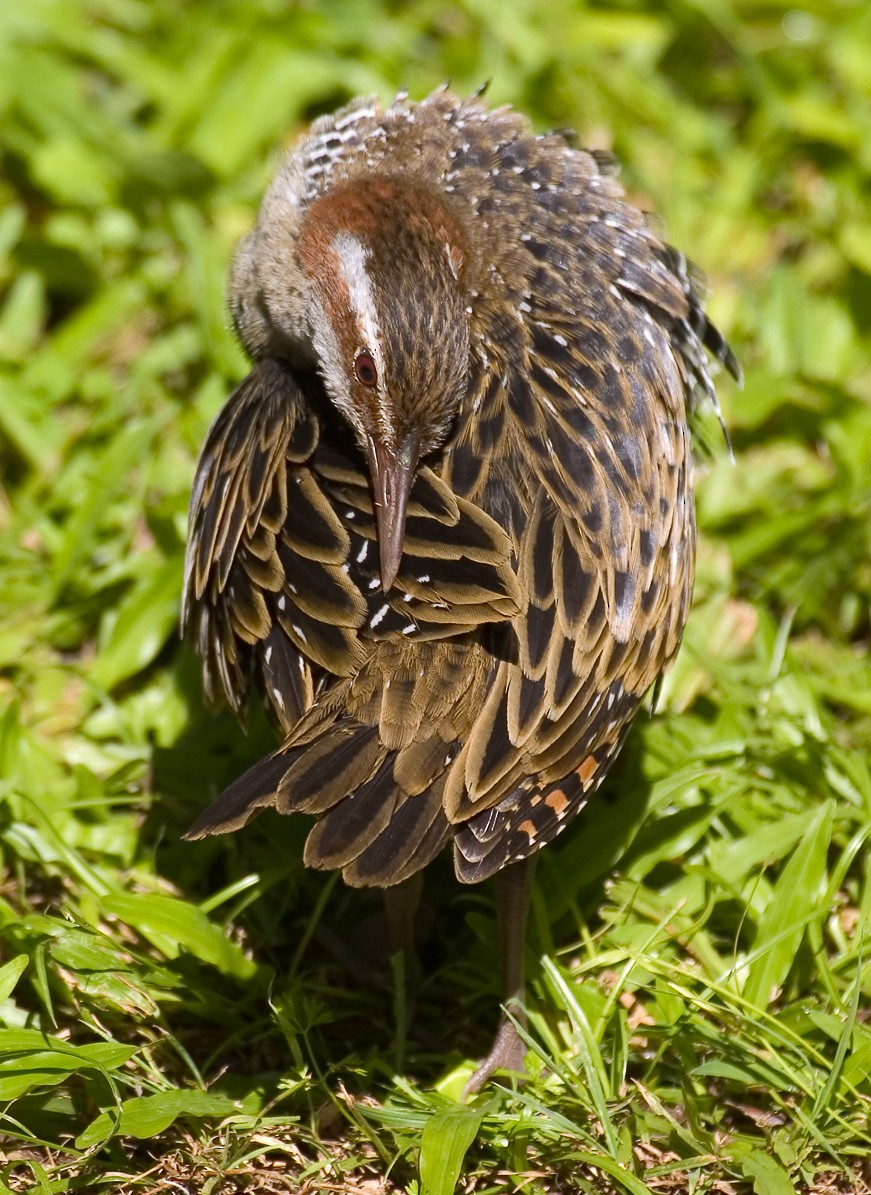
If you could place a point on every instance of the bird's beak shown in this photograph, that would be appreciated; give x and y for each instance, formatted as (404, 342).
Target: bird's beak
(392, 477)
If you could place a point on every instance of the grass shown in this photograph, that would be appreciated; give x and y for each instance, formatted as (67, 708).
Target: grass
(191, 1017)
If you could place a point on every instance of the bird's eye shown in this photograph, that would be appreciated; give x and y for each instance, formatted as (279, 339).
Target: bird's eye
(365, 369)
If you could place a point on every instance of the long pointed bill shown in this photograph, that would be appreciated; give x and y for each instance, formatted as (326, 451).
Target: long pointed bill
(392, 475)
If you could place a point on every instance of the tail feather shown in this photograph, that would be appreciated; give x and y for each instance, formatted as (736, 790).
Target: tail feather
(371, 825)
(245, 797)
(413, 837)
(353, 824)
(426, 849)
(323, 773)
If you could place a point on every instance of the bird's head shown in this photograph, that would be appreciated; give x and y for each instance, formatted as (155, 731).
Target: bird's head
(380, 264)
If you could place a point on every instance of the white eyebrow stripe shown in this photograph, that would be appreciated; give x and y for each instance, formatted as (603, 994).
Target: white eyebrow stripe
(353, 258)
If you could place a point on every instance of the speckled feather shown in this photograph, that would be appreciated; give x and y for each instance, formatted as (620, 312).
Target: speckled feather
(549, 549)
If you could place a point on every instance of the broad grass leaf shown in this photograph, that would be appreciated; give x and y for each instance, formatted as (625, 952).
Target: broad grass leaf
(31, 1060)
(793, 903)
(205, 276)
(10, 973)
(766, 1174)
(100, 973)
(623, 1178)
(268, 82)
(23, 422)
(69, 169)
(146, 619)
(733, 860)
(444, 1143)
(857, 1065)
(149, 1115)
(23, 315)
(107, 1055)
(856, 243)
(173, 924)
(13, 220)
(109, 474)
(754, 1074)
(76, 341)
(35, 1073)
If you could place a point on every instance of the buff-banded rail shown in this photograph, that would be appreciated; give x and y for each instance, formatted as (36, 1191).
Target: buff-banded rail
(445, 527)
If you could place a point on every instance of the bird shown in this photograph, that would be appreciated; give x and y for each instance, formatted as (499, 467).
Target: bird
(445, 528)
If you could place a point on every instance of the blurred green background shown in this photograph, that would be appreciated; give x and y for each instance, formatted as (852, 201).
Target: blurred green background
(699, 1019)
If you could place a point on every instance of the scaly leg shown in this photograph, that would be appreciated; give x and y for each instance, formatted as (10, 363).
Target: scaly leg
(400, 905)
(513, 890)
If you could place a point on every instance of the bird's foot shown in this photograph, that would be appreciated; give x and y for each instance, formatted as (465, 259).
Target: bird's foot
(506, 1054)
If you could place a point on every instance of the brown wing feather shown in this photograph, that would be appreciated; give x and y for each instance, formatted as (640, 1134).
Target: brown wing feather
(233, 569)
(598, 445)
(283, 578)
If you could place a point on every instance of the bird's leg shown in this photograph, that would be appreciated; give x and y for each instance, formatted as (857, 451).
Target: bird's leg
(400, 906)
(513, 889)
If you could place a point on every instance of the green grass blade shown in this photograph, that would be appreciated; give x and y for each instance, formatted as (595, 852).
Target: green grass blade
(444, 1143)
(791, 906)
